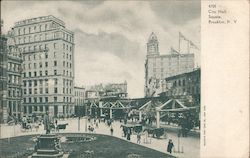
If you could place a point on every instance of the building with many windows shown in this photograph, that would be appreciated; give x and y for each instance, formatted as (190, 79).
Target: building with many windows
(79, 101)
(185, 85)
(3, 78)
(158, 67)
(118, 90)
(47, 49)
(14, 74)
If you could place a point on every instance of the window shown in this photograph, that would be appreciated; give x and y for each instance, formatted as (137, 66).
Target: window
(46, 64)
(55, 72)
(55, 81)
(46, 55)
(40, 64)
(35, 73)
(29, 100)
(29, 74)
(25, 91)
(30, 91)
(40, 82)
(34, 65)
(46, 72)
(35, 82)
(63, 63)
(55, 63)
(41, 90)
(41, 108)
(46, 82)
(55, 99)
(40, 73)
(35, 90)
(46, 90)
(54, 54)
(24, 100)
(54, 45)
(40, 99)
(35, 100)
(24, 83)
(46, 99)
(55, 90)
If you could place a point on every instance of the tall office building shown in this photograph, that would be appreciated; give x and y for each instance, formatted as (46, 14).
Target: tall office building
(3, 78)
(158, 67)
(14, 74)
(47, 48)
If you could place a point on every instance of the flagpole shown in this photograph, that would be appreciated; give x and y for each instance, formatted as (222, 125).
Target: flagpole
(179, 52)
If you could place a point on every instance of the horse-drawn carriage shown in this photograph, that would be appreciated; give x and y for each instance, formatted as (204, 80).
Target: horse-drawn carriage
(155, 132)
(59, 126)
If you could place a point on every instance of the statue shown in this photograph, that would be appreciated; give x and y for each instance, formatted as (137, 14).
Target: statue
(46, 122)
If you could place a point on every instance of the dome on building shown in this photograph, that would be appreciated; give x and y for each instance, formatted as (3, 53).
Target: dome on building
(152, 37)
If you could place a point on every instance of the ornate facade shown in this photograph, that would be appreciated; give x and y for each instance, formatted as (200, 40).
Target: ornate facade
(158, 67)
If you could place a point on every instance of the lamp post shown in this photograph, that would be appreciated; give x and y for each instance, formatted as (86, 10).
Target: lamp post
(86, 116)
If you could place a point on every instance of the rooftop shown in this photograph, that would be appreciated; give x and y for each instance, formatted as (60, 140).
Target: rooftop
(39, 19)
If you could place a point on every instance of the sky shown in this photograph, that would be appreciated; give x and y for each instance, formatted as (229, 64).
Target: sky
(111, 36)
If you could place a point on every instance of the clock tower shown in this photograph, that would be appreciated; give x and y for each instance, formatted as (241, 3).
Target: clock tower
(152, 45)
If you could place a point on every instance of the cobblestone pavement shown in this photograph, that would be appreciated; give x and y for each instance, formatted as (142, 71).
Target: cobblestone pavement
(188, 147)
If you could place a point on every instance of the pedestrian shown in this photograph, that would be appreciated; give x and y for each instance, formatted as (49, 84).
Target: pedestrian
(170, 146)
(138, 138)
(96, 124)
(111, 130)
(128, 134)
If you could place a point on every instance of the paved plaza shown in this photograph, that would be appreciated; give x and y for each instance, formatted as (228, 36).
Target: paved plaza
(188, 146)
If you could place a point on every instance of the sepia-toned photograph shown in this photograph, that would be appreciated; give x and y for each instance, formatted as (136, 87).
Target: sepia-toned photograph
(100, 79)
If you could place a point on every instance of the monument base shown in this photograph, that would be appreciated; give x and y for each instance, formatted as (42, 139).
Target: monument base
(48, 145)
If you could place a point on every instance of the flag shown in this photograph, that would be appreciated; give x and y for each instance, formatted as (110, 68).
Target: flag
(182, 36)
(174, 51)
(193, 45)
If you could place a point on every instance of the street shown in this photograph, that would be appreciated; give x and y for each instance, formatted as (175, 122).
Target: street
(188, 146)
